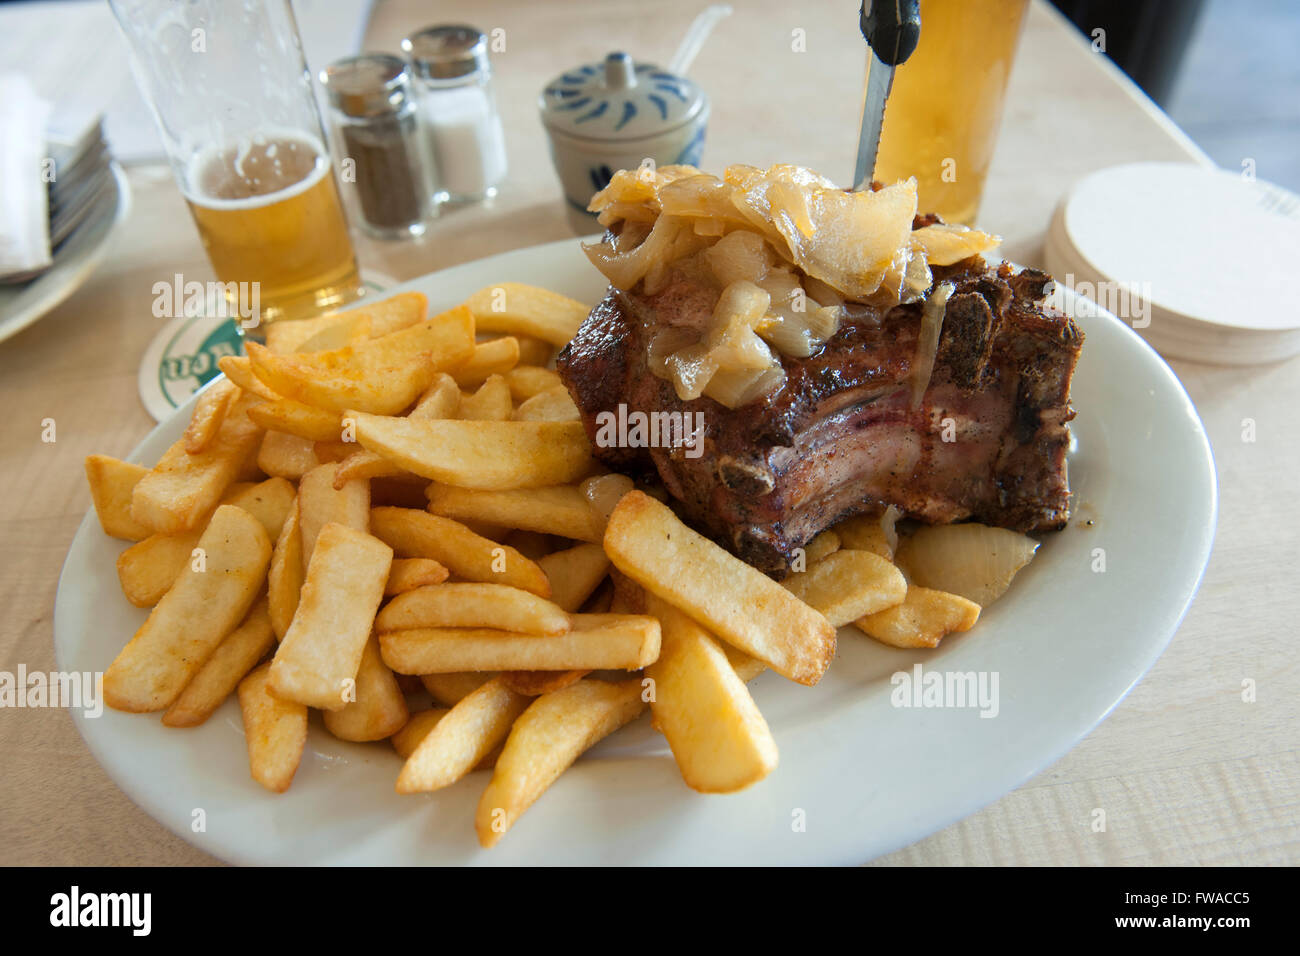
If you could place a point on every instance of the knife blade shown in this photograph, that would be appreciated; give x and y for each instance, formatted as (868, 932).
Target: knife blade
(892, 29)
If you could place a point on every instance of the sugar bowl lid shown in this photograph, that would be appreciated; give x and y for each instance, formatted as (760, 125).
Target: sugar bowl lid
(619, 99)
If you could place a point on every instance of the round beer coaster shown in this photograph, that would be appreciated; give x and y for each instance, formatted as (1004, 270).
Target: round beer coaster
(183, 356)
(1199, 261)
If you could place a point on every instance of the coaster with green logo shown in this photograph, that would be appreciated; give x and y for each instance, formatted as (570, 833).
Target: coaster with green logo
(183, 357)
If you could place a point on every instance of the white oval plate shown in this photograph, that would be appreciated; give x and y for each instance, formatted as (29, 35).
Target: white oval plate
(858, 776)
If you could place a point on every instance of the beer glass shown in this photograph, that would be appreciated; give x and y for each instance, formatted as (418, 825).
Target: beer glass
(234, 101)
(942, 115)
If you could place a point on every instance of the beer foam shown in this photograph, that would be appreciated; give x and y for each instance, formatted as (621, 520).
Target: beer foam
(226, 162)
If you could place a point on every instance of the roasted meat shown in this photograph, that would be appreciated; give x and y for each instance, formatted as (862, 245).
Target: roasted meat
(844, 434)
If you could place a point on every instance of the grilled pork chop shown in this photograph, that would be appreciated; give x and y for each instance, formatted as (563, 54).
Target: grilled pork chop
(843, 435)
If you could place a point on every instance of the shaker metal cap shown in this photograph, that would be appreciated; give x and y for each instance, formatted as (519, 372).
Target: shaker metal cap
(619, 99)
(367, 85)
(447, 51)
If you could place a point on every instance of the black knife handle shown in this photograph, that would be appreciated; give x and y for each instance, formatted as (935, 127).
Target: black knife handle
(892, 27)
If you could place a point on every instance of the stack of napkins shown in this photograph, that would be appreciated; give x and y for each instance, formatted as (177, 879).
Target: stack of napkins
(53, 171)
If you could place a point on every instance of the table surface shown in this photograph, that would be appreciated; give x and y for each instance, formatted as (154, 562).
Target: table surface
(1186, 771)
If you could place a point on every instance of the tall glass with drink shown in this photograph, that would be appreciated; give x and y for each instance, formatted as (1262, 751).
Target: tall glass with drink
(230, 89)
(942, 115)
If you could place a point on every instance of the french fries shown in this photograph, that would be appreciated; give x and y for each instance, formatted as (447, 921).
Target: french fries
(847, 585)
(236, 655)
(379, 709)
(718, 737)
(527, 310)
(210, 411)
(316, 663)
(407, 574)
(545, 740)
(111, 485)
(320, 503)
(560, 509)
(462, 738)
(448, 689)
(552, 405)
(739, 604)
(491, 403)
(382, 375)
(473, 605)
(275, 731)
(493, 456)
(923, 619)
(183, 487)
(205, 604)
(490, 358)
(574, 574)
(285, 576)
(413, 464)
(595, 642)
(417, 534)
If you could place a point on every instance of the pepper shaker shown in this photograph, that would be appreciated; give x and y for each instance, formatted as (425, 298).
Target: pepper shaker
(382, 155)
(458, 111)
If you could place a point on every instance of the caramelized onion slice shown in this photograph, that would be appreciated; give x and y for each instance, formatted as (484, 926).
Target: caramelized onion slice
(973, 560)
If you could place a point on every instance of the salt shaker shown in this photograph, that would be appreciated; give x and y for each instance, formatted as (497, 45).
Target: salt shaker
(458, 111)
(382, 154)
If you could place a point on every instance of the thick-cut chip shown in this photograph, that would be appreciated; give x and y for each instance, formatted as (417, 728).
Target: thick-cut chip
(746, 667)
(334, 451)
(148, 569)
(561, 510)
(111, 484)
(552, 405)
(575, 573)
(285, 576)
(534, 351)
(182, 488)
(418, 534)
(739, 604)
(865, 533)
(923, 619)
(447, 689)
(545, 740)
(415, 729)
(275, 731)
(210, 410)
(287, 456)
(462, 738)
(440, 400)
(350, 329)
(848, 585)
(383, 375)
(529, 380)
(407, 574)
(596, 642)
(537, 683)
(491, 403)
(495, 606)
(236, 655)
(718, 737)
(379, 709)
(295, 418)
(385, 316)
(239, 370)
(202, 607)
(488, 455)
(321, 652)
(826, 543)
(490, 358)
(527, 310)
(268, 501)
(320, 503)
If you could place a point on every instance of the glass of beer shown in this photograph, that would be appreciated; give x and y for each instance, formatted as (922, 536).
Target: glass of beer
(942, 115)
(229, 87)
